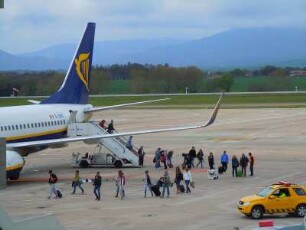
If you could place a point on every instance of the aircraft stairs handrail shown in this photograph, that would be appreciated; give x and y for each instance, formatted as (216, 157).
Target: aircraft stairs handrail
(121, 139)
(121, 143)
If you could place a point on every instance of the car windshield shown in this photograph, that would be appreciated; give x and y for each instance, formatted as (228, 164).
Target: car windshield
(265, 192)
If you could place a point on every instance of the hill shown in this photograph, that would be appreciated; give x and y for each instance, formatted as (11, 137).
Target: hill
(243, 48)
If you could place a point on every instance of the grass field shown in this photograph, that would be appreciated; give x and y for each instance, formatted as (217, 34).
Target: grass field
(293, 100)
(244, 84)
(240, 84)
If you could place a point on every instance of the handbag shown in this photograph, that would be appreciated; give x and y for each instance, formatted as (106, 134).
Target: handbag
(192, 184)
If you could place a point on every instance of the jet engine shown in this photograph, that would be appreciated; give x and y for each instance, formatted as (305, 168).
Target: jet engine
(14, 164)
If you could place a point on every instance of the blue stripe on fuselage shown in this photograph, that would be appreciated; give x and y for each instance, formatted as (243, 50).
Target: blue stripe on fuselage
(57, 135)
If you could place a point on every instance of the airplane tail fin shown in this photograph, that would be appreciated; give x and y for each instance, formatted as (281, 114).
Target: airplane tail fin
(75, 88)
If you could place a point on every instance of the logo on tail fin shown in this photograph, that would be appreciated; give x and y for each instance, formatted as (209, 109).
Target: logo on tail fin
(82, 68)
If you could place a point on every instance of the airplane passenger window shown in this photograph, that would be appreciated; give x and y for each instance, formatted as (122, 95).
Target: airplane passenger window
(5, 128)
(42, 124)
(46, 124)
(16, 126)
(24, 126)
(38, 124)
(52, 123)
(1, 128)
(9, 128)
(20, 126)
(32, 126)
(28, 126)
(35, 125)
(49, 123)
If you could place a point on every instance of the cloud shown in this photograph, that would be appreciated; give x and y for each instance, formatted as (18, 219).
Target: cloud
(34, 24)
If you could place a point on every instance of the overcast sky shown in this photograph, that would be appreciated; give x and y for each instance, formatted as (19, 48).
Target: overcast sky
(29, 25)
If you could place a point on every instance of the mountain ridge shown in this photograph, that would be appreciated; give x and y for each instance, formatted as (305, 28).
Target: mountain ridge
(240, 48)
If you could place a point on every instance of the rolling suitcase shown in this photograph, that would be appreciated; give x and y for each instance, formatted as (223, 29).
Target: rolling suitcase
(239, 173)
(182, 188)
(59, 194)
(155, 190)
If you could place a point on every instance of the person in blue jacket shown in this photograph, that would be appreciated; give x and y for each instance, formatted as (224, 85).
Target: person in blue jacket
(224, 161)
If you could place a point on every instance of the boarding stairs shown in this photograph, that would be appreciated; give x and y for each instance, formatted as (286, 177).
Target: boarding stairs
(116, 145)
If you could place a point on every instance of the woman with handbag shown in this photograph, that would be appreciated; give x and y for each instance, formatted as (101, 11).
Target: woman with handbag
(187, 178)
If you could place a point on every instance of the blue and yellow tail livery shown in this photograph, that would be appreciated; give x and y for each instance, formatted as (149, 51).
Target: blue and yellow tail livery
(75, 88)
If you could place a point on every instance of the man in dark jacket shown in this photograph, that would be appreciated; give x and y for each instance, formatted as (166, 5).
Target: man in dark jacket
(244, 164)
(110, 128)
(97, 185)
(141, 155)
(211, 160)
(192, 155)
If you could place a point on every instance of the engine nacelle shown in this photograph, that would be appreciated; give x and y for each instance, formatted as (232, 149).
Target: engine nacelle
(14, 164)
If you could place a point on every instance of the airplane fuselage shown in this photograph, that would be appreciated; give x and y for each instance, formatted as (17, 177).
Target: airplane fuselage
(38, 122)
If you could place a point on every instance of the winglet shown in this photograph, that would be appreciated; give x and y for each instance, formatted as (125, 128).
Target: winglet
(215, 112)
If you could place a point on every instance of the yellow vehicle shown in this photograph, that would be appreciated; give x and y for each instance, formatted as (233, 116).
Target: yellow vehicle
(282, 197)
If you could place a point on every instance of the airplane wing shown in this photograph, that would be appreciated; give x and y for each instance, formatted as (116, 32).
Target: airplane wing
(96, 109)
(96, 137)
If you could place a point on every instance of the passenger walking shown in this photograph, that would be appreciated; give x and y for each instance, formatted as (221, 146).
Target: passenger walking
(211, 160)
(235, 165)
(77, 182)
(147, 184)
(166, 184)
(129, 144)
(192, 155)
(169, 157)
(164, 158)
(224, 161)
(97, 186)
(157, 157)
(244, 164)
(251, 159)
(141, 155)
(102, 124)
(178, 179)
(200, 156)
(117, 186)
(110, 128)
(52, 182)
(187, 178)
(122, 183)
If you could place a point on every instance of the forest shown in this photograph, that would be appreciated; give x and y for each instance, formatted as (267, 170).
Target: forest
(134, 78)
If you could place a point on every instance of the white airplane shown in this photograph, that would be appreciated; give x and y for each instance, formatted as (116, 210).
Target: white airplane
(31, 128)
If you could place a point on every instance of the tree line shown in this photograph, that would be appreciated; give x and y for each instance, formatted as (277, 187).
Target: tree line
(146, 79)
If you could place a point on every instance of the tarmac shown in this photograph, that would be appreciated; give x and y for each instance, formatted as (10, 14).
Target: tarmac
(276, 137)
